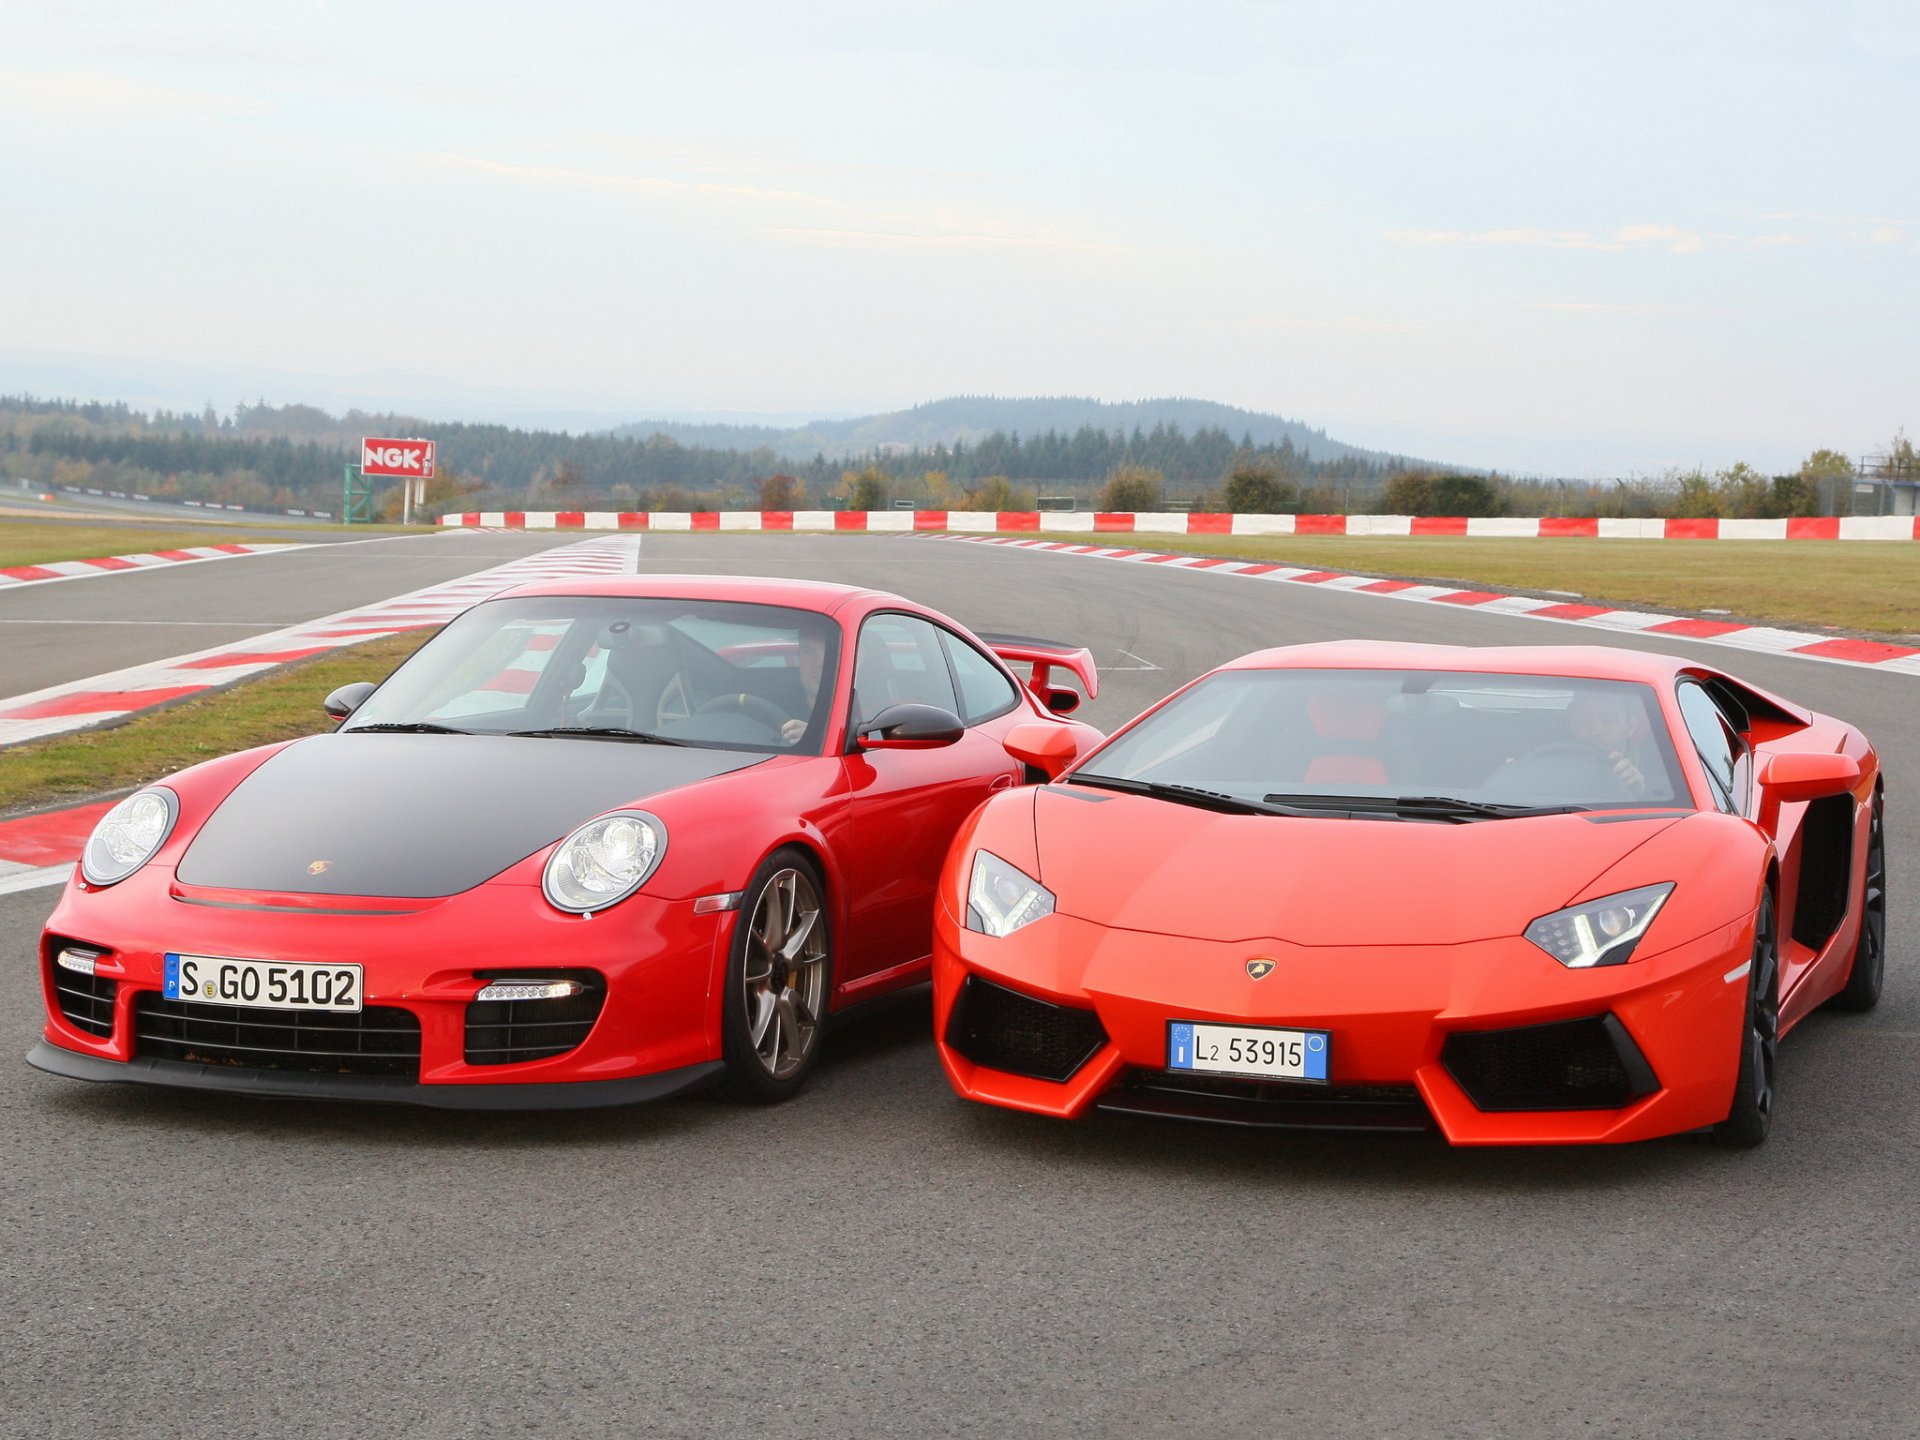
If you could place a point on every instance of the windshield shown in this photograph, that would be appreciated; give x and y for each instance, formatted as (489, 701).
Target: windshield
(1504, 743)
(691, 672)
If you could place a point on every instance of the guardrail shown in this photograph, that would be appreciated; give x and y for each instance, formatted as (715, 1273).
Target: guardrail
(1814, 527)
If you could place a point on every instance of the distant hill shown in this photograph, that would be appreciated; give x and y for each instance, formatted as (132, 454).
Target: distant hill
(971, 418)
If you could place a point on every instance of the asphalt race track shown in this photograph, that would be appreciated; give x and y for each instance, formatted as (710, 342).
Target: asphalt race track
(880, 1258)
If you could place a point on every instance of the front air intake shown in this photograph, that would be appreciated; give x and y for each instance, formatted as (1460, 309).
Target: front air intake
(85, 999)
(1005, 1030)
(508, 1032)
(1588, 1064)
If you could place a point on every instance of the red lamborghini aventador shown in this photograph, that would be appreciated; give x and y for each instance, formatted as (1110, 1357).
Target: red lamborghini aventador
(1528, 896)
(593, 843)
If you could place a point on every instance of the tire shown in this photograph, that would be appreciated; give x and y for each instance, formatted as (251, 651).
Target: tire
(1751, 1115)
(779, 975)
(1862, 990)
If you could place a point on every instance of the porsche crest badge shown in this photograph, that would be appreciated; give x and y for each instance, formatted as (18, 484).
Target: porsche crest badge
(319, 867)
(1259, 968)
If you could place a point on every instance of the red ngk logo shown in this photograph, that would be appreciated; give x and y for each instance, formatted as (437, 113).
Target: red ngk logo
(397, 457)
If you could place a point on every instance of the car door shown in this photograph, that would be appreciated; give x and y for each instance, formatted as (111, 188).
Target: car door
(907, 804)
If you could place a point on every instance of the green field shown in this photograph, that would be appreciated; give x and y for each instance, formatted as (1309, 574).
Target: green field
(37, 542)
(283, 705)
(1863, 585)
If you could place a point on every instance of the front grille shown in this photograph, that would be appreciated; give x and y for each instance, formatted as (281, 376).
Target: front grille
(1570, 1065)
(1005, 1030)
(1281, 1104)
(86, 1000)
(380, 1040)
(506, 1032)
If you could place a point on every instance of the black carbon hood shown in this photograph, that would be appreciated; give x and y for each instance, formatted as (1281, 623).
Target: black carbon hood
(420, 816)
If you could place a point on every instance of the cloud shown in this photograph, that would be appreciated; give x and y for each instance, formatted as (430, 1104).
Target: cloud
(570, 178)
(1600, 307)
(1680, 242)
(1363, 324)
(804, 217)
(69, 95)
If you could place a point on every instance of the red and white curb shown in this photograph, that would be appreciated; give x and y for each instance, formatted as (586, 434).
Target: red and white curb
(1181, 522)
(1873, 654)
(12, 575)
(38, 850)
(78, 705)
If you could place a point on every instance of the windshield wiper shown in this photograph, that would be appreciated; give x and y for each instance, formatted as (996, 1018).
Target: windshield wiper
(1184, 795)
(411, 727)
(1438, 807)
(598, 732)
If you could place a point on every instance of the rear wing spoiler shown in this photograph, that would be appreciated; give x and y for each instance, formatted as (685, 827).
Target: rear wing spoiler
(1044, 656)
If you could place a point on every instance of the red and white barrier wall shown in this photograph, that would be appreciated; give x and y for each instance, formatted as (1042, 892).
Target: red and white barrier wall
(1173, 522)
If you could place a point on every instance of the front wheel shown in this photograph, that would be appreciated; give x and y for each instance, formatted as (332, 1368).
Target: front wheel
(1751, 1116)
(778, 978)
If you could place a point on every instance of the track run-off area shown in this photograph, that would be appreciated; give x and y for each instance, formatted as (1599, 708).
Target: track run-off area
(878, 1257)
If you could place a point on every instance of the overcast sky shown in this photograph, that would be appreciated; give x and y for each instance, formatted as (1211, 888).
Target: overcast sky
(1579, 239)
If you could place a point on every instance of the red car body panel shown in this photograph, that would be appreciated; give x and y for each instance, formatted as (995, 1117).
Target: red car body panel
(876, 822)
(1394, 936)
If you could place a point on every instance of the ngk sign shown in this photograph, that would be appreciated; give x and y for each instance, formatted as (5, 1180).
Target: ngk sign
(409, 458)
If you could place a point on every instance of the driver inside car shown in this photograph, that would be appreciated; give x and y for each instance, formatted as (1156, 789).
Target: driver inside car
(811, 656)
(1613, 723)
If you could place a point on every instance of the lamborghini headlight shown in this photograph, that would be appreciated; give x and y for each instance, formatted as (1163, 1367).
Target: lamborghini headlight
(1002, 898)
(128, 834)
(604, 861)
(1599, 932)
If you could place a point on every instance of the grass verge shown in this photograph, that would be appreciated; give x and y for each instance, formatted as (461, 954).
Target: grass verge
(282, 706)
(39, 542)
(1809, 584)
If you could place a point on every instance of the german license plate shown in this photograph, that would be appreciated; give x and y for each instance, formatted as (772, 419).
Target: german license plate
(262, 984)
(1257, 1052)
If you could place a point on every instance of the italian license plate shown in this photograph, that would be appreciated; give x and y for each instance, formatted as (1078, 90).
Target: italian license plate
(1257, 1052)
(262, 984)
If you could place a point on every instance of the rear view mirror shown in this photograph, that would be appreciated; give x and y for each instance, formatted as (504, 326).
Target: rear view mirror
(347, 699)
(1050, 749)
(1805, 776)
(910, 727)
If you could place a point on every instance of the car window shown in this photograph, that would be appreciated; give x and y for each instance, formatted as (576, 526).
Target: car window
(499, 675)
(1510, 740)
(1721, 749)
(985, 690)
(727, 673)
(899, 661)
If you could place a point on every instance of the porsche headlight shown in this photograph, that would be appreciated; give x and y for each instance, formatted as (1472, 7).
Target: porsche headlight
(604, 861)
(128, 834)
(1600, 932)
(1001, 898)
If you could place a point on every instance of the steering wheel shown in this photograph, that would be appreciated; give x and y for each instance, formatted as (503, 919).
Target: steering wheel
(756, 707)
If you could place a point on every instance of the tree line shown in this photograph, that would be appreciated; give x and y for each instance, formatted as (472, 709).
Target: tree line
(294, 456)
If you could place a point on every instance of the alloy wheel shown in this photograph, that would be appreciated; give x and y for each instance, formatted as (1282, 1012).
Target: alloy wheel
(783, 980)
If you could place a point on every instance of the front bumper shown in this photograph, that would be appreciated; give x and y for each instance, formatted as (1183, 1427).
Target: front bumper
(423, 962)
(174, 1074)
(1390, 1012)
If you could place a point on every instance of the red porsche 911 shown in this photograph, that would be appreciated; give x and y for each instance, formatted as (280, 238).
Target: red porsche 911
(593, 843)
(1528, 896)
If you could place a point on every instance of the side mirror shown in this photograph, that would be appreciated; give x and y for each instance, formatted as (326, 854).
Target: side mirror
(1060, 701)
(347, 699)
(1047, 748)
(1807, 776)
(910, 727)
